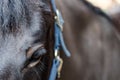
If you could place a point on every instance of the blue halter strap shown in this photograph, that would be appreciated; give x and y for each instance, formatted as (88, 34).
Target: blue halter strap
(59, 43)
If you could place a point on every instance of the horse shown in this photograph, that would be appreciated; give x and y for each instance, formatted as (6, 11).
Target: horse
(93, 41)
(26, 39)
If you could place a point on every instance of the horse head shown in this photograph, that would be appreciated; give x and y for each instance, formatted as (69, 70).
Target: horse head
(25, 29)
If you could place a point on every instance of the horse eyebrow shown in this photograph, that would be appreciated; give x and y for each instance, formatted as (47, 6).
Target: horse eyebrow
(39, 37)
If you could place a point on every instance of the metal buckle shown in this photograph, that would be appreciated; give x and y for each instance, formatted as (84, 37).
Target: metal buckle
(57, 56)
(59, 19)
(60, 67)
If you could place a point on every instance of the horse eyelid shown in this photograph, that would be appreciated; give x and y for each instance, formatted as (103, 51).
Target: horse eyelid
(32, 50)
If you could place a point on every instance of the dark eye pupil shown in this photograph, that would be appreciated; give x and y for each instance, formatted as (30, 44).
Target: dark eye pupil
(38, 53)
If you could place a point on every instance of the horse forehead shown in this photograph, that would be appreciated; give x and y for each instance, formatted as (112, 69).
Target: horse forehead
(35, 1)
(12, 44)
(38, 2)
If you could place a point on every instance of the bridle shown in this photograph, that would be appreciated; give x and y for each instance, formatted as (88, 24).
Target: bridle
(59, 43)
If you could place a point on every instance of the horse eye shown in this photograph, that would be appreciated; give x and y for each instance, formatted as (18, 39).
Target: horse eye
(35, 51)
(38, 53)
(34, 56)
